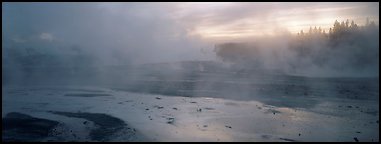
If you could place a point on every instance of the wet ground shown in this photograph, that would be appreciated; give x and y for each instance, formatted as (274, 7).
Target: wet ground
(127, 116)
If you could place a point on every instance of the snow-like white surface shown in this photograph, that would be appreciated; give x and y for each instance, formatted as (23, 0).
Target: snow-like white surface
(218, 120)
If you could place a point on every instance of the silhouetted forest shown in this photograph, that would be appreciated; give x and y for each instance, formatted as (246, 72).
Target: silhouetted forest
(346, 46)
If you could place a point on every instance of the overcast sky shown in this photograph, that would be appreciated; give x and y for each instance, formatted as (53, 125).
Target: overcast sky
(183, 30)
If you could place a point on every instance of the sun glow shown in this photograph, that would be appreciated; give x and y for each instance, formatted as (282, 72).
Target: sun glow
(240, 20)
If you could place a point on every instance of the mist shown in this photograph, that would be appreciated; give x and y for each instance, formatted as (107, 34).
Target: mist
(190, 72)
(84, 35)
(348, 52)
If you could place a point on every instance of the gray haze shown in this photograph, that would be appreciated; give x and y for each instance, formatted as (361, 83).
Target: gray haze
(129, 33)
(49, 41)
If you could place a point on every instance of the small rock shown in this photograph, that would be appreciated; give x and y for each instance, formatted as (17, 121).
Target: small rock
(193, 102)
(158, 107)
(85, 122)
(358, 132)
(199, 110)
(205, 125)
(355, 138)
(349, 106)
(228, 126)
(147, 109)
(299, 134)
(174, 108)
(158, 97)
(170, 120)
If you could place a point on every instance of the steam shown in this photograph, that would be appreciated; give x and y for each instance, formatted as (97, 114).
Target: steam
(350, 52)
(92, 42)
(88, 38)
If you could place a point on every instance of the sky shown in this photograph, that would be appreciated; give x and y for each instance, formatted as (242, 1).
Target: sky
(181, 30)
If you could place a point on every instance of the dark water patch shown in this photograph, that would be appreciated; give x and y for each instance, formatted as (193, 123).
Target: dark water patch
(66, 89)
(86, 95)
(231, 104)
(22, 127)
(108, 125)
(266, 136)
(208, 108)
(287, 139)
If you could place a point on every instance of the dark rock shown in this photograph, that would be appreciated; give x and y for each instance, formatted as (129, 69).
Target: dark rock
(299, 134)
(170, 120)
(355, 138)
(158, 107)
(174, 108)
(228, 126)
(286, 139)
(158, 97)
(358, 132)
(349, 106)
